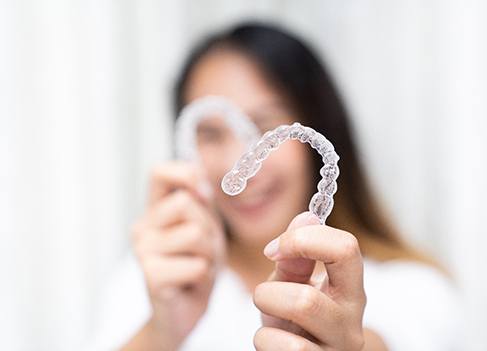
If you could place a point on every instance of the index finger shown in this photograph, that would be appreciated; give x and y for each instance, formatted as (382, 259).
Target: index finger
(175, 175)
(337, 249)
(298, 270)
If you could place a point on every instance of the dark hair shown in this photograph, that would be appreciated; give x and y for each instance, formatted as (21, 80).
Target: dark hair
(306, 84)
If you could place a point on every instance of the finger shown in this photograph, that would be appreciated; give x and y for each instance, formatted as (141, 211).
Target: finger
(337, 249)
(175, 271)
(273, 339)
(178, 207)
(299, 269)
(175, 175)
(303, 305)
(183, 239)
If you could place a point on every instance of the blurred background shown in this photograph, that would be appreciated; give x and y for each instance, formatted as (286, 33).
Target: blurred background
(85, 113)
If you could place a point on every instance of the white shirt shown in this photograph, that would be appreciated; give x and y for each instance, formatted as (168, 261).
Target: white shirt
(411, 306)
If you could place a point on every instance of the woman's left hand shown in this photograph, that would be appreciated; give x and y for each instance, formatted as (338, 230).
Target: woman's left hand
(299, 314)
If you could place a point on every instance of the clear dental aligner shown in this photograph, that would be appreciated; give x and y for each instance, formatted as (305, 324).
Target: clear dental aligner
(192, 114)
(321, 204)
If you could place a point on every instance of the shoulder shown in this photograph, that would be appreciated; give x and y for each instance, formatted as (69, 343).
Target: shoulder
(413, 305)
(407, 276)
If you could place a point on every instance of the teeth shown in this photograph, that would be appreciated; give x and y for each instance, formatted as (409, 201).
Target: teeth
(249, 164)
(233, 183)
(192, 114)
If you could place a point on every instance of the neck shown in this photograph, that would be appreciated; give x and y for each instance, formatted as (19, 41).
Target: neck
(249, 263)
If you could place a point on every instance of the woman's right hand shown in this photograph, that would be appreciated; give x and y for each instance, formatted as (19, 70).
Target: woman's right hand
(179, 243)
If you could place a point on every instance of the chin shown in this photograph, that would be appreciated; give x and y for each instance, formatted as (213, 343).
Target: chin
(264, 210)
(260, 229)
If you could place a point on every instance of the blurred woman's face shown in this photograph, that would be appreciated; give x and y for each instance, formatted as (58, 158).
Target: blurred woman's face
(281, 188)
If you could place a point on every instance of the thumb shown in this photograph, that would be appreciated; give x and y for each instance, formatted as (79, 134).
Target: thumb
(296, 270)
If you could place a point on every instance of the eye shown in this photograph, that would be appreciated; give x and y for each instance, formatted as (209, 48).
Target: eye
(269, 123)
(210, 135)
(265, 126)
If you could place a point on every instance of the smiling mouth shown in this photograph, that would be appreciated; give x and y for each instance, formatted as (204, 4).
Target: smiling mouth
(256, 200)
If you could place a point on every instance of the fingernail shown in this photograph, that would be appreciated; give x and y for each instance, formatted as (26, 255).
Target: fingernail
(205, 189)
(272, 248)
(312, 218)
(303, 219)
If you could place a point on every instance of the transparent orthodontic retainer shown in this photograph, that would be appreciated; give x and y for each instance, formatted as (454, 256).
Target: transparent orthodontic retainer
(192, 114)
(321, 204)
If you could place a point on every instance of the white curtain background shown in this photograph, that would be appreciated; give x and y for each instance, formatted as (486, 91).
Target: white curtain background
(85, 113)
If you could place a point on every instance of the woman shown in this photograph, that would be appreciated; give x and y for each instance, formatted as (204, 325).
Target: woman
(205, 256)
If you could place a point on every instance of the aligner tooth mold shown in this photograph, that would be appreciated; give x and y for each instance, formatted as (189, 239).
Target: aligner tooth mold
(321, 204)
(192, 114)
